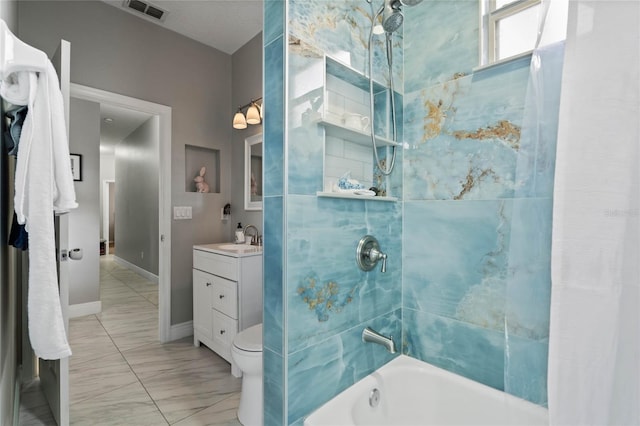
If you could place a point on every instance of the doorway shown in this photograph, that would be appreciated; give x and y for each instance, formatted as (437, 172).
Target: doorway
(108, 216)
(163, 114)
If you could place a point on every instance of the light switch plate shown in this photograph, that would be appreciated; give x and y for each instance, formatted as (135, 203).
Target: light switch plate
(182, 212)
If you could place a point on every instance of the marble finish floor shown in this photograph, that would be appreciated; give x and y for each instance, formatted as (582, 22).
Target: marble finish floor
(120, 374)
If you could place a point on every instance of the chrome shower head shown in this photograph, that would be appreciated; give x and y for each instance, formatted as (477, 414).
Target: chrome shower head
(391, 15)
(410, 2)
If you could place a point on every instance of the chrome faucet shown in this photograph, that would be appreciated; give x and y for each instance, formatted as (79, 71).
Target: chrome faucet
(370, 335)
(255, 236)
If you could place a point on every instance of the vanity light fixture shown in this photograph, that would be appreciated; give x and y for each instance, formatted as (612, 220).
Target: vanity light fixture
(254, 114)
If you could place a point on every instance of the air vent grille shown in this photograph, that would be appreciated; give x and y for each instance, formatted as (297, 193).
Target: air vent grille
(146, 8)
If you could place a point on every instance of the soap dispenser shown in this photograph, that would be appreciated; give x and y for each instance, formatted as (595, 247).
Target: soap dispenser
(239, 234)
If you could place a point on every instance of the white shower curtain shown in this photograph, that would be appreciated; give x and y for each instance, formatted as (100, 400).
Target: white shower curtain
(594, 347)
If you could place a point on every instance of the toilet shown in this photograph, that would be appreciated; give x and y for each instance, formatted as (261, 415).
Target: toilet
(246, 353)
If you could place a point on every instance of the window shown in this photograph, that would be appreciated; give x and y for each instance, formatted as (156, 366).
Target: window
(510, 27)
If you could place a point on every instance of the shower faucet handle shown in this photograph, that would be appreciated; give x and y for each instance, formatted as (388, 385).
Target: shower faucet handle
(368, 254)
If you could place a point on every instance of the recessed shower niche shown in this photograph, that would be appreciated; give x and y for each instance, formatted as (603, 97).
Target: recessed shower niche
(195, 159)
(346, 120)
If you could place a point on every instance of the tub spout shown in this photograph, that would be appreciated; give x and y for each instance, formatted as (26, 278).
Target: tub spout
(370, 335)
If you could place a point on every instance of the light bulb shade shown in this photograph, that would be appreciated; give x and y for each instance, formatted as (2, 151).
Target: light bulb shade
(253, 115)
(239, 121)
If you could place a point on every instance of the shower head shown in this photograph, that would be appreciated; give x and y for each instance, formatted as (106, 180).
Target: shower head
(392, 15)
(410, 2)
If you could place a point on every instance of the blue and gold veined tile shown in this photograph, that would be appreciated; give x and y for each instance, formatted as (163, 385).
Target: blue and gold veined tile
(274, 17)
(463, 136)
(440, 40)
(536, 159)
(273, 124)
(525, 370)
(472, 352)
(274, 388)
(456, 259)
(341, 30)
(336, 363)
(273, 253)
(326, 291)
(529, 273)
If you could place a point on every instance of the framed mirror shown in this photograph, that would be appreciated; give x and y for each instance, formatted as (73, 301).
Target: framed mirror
(253, 172)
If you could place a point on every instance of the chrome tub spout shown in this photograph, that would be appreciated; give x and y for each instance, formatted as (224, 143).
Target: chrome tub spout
(370, 335)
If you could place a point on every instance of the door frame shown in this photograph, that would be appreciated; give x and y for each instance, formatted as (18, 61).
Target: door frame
(164, 193)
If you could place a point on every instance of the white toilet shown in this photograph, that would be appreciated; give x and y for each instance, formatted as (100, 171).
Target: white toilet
(247, 355)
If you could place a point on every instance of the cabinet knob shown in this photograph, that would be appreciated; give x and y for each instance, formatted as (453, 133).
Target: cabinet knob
(208, 284)
(221, 296)
(222, 331)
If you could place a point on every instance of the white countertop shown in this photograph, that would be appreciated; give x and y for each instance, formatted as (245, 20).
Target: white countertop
(231, 249)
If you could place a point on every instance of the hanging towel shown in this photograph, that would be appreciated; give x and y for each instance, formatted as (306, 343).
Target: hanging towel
(43, 185)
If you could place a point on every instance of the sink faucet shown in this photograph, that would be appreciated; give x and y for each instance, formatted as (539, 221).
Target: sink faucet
(370, 335)
(255, 236)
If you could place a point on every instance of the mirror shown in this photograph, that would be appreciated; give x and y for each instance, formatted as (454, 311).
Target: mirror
(253, 172)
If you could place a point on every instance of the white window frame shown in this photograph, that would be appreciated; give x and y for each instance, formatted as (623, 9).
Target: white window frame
(490, 16)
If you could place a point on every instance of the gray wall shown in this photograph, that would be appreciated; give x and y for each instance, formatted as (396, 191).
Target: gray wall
(247, 85)
(9, 295)
(84, 232)
(137, 197)
(115, 51)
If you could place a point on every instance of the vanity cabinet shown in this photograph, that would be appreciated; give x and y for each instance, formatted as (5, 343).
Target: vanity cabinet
(227, 295)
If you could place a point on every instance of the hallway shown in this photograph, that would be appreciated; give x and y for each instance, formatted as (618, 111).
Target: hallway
(121, 375)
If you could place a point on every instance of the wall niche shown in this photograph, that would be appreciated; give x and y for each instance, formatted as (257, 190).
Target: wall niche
(197, 157)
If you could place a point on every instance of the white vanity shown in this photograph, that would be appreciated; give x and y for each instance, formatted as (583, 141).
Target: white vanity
(227, 294)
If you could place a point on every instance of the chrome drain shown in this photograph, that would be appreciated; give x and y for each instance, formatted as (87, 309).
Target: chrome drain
(374, 398)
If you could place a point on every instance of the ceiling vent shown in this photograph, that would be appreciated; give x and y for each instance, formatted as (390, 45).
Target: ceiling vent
(146, 8)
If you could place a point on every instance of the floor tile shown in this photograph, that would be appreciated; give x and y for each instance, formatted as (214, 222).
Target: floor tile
(111, 372)
(128, 405)
(224, 413)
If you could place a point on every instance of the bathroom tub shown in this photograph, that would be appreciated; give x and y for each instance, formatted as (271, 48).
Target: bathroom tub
(412, 392)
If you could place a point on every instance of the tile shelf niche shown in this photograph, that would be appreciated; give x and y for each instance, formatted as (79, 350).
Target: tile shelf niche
(353, 135)
(349, 80)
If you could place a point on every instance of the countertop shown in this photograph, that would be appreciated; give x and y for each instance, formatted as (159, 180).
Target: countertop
(231, 249)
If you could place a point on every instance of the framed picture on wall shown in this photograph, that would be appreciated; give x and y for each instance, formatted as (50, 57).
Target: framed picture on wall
(76, 166)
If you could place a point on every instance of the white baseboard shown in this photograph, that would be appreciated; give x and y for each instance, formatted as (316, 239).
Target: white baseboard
(138, 270)
(178, 331)
(83, 309)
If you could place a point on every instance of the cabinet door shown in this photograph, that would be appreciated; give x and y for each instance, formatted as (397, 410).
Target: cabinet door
(224, 331)
(202, 312)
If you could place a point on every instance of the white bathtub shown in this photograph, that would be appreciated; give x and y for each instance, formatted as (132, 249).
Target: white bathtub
(412, 392)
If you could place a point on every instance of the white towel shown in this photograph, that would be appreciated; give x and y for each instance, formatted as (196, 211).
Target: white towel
(44, 185)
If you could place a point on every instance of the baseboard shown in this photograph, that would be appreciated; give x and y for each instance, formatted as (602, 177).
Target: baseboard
(83, 309)
(178, 331)
(138, 270)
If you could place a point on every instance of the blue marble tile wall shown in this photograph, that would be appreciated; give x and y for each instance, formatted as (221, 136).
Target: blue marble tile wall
(467, 288)
(478, 186)
(327, 299)
(274, 330)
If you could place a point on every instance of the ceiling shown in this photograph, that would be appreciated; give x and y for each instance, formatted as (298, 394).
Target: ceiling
(226, 25)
